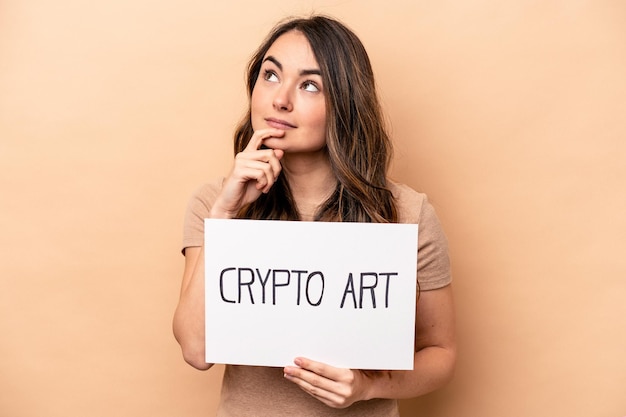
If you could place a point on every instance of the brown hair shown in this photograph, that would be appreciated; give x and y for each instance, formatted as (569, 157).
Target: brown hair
(358, 145)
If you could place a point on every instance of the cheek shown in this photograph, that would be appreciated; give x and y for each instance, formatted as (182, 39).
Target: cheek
(320, 122)
(317, 115)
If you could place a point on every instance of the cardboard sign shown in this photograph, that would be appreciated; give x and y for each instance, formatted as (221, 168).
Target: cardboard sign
(338, 293)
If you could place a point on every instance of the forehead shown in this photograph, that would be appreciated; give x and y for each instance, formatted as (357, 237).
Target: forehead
(293, 50)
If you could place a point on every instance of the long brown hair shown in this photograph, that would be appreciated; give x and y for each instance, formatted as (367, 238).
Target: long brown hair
(358, 146)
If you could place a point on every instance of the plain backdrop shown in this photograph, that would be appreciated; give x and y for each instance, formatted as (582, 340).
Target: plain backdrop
(510, 115)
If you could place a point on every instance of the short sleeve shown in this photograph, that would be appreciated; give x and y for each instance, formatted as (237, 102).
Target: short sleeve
(433, 261)
(198, 209)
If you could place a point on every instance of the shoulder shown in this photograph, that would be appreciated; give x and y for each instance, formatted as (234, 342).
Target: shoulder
(204, 196)
(415, 207)
(409, 202)
(208, 192)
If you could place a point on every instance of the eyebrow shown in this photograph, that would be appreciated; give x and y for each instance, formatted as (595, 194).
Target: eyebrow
(302, 72)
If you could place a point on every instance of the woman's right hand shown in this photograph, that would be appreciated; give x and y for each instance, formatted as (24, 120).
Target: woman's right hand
(254, 172)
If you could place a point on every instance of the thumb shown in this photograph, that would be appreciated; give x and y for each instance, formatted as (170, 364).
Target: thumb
(279, 153)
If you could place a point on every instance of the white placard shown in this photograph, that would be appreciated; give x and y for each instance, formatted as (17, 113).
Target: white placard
(338, 293)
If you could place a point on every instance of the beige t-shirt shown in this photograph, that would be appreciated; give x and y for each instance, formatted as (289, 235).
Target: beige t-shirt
(263, 391)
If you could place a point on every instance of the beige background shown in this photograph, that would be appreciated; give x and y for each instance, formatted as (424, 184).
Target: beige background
(509, 114)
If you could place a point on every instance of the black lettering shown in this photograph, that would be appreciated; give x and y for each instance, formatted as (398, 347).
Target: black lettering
(308, 281)
(246, 283)
(276, 284)
(299, 275)
(263, 282)
(387, 275)
(222, 285)
(349, 289)
(369, 287)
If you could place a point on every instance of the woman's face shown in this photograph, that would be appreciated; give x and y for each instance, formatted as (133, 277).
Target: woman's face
(289, 95)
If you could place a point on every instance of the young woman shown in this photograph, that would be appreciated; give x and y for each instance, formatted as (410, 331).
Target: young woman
(313, 147)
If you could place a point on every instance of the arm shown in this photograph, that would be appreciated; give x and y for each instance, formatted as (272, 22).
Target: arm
(189, 315)
(435, 356)
(254, 172)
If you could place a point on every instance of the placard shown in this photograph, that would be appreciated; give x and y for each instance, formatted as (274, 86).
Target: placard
(338, 293)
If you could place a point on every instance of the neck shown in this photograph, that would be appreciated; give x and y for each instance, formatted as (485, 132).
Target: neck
(311, 181)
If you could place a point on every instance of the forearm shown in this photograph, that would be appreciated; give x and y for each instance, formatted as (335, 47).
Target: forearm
(433, 368)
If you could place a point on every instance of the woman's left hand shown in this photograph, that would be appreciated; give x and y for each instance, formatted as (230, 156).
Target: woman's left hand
(335, 387)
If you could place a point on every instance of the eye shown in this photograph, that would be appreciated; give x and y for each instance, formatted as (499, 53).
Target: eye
(270, 76)
(310, 86)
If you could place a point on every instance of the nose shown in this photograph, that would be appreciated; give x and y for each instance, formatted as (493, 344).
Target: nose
(282, 99)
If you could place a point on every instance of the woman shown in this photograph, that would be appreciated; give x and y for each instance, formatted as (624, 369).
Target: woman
(313, 147)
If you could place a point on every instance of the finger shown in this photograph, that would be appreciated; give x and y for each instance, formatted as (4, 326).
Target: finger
(260, 135)
(273, 167)
(261, 166)
(261, 172)
(279, 153)
(270, 156)
(310, 379)
(274, 162)
(320, 368)
(314, 386)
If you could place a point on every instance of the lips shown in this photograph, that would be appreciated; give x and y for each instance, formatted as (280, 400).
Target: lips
(279, 124)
